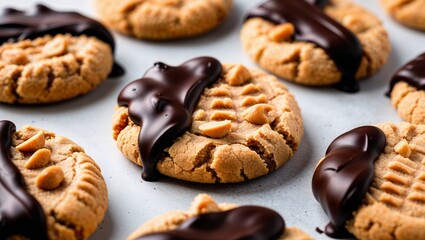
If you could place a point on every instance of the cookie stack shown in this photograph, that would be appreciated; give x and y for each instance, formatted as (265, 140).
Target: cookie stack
(187, 119)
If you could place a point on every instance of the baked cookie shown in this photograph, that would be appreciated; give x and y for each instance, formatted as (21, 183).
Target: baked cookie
(208, 123)
(409, 13)
(49, 187)
(208, 220)
(371, 183)
(47, 56)
(317, 43)
(163, 19)
(407, 91)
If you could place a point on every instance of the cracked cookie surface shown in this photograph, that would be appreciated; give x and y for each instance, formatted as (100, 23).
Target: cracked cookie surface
(163, 19)
(52, 68)
(407, 12)
(202, 204)
(409, 102)
(305, 63)
(244, 126)
(66, 182)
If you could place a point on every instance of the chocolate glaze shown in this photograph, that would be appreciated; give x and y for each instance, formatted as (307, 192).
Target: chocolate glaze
(163, 102)
(412, 73)
(343, 177)
(17, 25)
(312, 25)
(248, 222)
(20, 213)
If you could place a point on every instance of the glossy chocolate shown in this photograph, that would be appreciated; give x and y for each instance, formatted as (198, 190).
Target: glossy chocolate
(248, 222)
(312, 25)
(412, 73)
(20, 213)
(162, 103)
(17, 25)
(343, 177)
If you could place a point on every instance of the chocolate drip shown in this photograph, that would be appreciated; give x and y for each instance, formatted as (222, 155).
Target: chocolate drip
(20, 213)
(343, 177)
(17, 25)
(248, 222)
(312, 25)
(412, 73)
(162, 103)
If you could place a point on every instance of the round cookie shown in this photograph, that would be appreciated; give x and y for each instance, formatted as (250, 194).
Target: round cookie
(163, 19)
(208, 220)
(371, 183)
(407, 90)
(409, 13)
(50, 188)
(305, 50)
(206, 122)
(48, 57)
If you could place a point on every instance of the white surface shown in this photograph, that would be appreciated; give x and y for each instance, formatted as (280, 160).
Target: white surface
(327, 113)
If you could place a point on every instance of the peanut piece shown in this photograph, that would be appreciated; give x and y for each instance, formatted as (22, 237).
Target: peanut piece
(258, 114)
(50, 178)
(282, 32)
(39, 159)
(15, 56)
(33, 143)
(354, 23)
(216, 129)
(56, 47)
(203, 204)
(403, 149)
(238, 75)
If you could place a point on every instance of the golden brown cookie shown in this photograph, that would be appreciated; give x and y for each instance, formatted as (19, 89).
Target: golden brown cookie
(46, 56)
(409, 13)
(278, 37)
(380, 182)
(163, 19)
(203, 209)
(245, 125)
(407, 91)
(51, 187)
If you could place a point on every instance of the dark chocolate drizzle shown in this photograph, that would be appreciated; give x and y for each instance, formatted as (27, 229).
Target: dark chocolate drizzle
(248, 222)
(412, 73)
(343, 177)
(17, 25)
(163, 102)
(312, 25)
(20, 213)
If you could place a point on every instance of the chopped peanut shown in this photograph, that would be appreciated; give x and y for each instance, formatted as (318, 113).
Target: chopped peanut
(33, 143)
(39, 159)
(56, 47)
(238, 75)
(50, 178)
(216, 129)
(258, 114)
(403, 149)
(203, 204)
(282, 32)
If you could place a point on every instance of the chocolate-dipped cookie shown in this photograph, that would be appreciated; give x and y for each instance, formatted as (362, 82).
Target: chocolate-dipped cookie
(316, 43)
(164, 19)
(208, 220)
(49, 56)
(49, 187)
(407, 90)
(207, 122)
(371, 182)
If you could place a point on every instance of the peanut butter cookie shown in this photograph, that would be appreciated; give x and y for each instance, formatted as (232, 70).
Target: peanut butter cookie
(48, 56)
(317, 43)
(206, 122)
(49, 187)
(407, 91)
(371, 183)
(208, 220)
(163, 19)
(409, 13)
